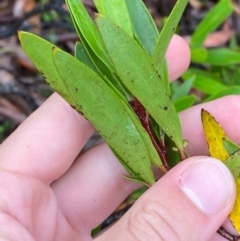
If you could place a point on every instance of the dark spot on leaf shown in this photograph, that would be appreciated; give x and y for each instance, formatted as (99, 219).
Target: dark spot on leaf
(76, 89)
(165, 108)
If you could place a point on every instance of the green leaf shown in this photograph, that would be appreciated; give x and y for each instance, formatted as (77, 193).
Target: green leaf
(154, 158)
(183, 89)
(233, 163)
(110, 77)
(97, 101)
(158, 56)
(184, 102)
(173, 156)
(87, 30)
(117, 12)
(40, 53)
(216, 57)
(82, 55)
(230, 146)
(143, 25)
(222, 10)
(199, 55)
(205, 82)
(133, 66)
(94, 47)
(222, 57)
(231, 90)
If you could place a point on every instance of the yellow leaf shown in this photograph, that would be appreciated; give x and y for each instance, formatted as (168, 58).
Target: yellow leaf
(235, 214)
(218, 144)
(215, 135)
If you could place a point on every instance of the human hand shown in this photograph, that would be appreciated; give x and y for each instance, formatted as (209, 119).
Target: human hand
(46, 197)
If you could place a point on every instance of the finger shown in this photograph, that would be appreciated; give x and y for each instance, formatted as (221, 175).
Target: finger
(178, 57)
(189, 203)
(97, 174)
(95, 182)
(46, 144)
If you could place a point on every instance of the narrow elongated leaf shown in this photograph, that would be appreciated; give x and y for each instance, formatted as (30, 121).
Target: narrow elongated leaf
(205, 82)
(87, 30)
(110, 78)
(116, 11)
(158, 56)
(230, 146)
(230, 90)
(222, 57)
(144, 28)
(184, 102)
(183, 89)
(82, 55)
(220, 147)
(97, 101)
(94, 50)
(133, 66)
(211, 21)
(160, 49)
(215, 135)
(40, 52)
(233, 164)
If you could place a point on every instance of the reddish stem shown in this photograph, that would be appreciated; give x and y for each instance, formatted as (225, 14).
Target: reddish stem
(144, 118)
(227, 235)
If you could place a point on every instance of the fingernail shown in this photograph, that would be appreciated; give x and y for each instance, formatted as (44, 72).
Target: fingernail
(208, 184)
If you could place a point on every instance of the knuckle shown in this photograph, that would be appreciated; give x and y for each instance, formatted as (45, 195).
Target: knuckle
(154, 222)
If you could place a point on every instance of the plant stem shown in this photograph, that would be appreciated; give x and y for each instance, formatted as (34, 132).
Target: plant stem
(144, 118)
(224, 233)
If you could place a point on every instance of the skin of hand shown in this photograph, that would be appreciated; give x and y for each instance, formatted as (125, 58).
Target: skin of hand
(51, 193)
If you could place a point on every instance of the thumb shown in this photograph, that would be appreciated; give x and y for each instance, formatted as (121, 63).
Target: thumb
(189, 203)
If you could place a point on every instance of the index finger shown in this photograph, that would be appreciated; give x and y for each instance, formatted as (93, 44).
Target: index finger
(44, 142)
